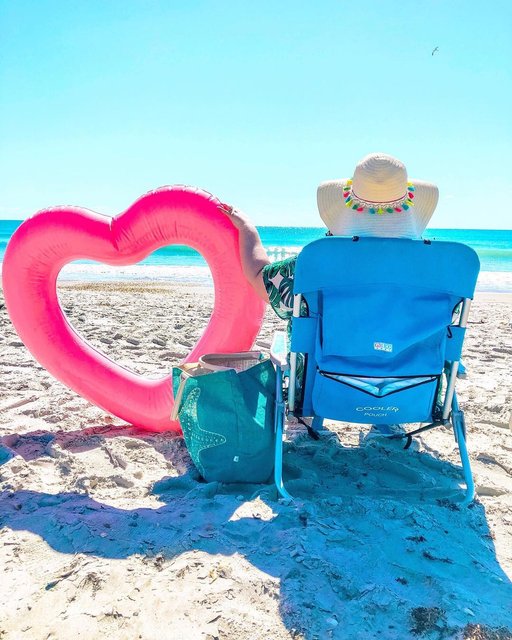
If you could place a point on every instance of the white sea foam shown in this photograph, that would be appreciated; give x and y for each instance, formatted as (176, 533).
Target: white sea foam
(192, 274)
(280, 253)
(495, 281)
(488, 281)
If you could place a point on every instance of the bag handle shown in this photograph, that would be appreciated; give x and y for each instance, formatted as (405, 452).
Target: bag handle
(187, 371)
(179, 396)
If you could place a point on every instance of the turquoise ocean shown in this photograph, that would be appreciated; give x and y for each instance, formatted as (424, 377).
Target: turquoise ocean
(494, 248)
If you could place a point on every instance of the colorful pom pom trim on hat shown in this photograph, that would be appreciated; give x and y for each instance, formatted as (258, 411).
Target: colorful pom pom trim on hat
(395, 206)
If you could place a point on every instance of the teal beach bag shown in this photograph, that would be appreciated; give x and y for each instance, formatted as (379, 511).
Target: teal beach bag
(225, 405)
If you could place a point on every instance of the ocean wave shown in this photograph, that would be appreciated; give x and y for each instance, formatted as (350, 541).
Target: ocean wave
(494, 282)
(488, 281)
(99, 272)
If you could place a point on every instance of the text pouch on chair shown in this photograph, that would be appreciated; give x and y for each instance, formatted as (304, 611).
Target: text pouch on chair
(393, 331)
(380, 400)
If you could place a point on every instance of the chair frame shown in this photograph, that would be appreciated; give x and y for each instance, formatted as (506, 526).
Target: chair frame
(286, 369)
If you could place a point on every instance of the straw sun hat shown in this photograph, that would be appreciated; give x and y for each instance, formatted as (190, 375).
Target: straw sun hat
(379, 200)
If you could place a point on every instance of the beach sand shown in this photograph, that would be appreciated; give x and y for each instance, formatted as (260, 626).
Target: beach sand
(107, 532)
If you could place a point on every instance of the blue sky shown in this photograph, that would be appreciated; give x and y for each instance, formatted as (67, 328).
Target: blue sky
(103, 100)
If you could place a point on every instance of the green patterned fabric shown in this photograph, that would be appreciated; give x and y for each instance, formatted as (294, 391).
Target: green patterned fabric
(227, 420)
(278, 281)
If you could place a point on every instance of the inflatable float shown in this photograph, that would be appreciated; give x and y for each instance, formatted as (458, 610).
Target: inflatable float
(50, 239)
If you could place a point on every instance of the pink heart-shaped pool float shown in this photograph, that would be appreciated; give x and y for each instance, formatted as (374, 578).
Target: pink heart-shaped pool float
(44, 243)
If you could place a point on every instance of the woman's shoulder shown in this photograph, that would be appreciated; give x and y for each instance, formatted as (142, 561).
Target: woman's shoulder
(278, 280)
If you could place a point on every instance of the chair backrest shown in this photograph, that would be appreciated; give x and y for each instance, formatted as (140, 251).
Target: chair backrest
(379, 314)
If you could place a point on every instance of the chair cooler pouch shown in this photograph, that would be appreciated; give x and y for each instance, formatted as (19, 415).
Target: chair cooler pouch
(227, 418)
(375, 400)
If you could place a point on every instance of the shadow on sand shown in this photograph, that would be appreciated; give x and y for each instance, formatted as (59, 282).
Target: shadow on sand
(372, 535)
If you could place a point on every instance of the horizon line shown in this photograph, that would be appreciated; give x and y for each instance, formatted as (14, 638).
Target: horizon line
(287, 226)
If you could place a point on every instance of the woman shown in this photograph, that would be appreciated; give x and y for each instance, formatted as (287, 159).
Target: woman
(379, 200)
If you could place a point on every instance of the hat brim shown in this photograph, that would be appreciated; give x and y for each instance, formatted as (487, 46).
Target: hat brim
(342, 221)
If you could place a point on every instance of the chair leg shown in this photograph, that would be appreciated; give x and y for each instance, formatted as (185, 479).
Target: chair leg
(317, 423)
(279, 427)
(314, 427)
(459, 430)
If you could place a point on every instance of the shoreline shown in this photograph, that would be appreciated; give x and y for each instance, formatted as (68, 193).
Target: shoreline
(494, 282)
(164, 286)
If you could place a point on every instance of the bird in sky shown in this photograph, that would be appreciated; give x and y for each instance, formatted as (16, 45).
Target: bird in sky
(436, 49)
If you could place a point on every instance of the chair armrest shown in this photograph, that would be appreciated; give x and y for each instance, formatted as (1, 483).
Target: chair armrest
(278, 350)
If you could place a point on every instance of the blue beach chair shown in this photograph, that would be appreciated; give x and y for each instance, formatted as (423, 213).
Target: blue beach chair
(380, 323)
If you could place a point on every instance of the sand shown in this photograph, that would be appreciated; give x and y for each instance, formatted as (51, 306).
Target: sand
(107, 530)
